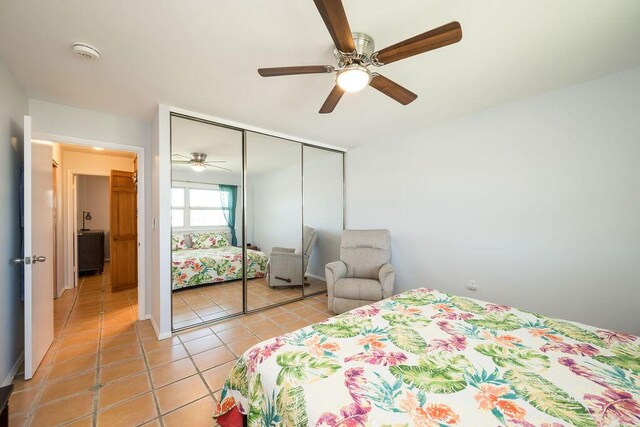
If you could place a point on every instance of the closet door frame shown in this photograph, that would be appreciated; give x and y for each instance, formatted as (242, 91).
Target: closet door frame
(244, 131)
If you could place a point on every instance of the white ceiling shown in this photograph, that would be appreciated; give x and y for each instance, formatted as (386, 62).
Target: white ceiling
(91, 150)
(202, 55)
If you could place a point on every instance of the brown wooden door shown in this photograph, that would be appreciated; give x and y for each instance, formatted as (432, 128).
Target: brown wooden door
(124, 231)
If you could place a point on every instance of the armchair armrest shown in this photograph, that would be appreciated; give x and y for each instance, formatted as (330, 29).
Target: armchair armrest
(387, 276)
(333, 272)
(282, 250)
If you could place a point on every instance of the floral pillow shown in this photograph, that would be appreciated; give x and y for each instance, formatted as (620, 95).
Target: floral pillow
(180, 242)
(209, 240)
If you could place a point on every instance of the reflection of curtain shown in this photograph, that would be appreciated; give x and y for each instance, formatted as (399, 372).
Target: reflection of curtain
(228, 200)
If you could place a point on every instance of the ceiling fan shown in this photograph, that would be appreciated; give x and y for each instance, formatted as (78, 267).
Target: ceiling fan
(355, 53)
(198, 162)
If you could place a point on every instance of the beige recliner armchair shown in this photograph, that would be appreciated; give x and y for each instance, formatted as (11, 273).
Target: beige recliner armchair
(287, 266)
(363, 275)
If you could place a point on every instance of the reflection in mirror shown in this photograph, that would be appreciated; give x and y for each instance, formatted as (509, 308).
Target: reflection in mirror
(274, 219)
(206, 220)
(323, 208)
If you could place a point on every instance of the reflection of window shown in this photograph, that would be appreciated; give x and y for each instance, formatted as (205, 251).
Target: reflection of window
(196, 207)
(177, 207)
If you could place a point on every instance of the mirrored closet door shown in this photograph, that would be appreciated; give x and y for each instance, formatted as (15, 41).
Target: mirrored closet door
(276, 254)
(323, 171)
(255, 218)
(206, 218)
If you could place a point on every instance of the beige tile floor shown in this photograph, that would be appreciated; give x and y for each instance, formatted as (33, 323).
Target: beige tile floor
(107, 369)
(193, 306)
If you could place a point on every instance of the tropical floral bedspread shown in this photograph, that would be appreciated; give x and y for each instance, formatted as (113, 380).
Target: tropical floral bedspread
(193, 267)
(426, 358)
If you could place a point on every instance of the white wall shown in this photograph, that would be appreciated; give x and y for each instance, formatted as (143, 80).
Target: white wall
(538, 201)
(13, 106)
(323, 205)
(275, 208)
(71, 124)
(93, 197)
(160, 250)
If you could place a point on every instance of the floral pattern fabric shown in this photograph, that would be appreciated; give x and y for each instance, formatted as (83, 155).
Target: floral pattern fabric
(178, 242)
(208, 240)
(202, 266)
(426, 358)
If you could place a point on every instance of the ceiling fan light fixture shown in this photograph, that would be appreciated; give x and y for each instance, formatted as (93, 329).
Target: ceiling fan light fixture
(198, 167)
(353, 78)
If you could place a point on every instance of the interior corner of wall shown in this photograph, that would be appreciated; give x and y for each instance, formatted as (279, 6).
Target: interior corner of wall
(160, 335)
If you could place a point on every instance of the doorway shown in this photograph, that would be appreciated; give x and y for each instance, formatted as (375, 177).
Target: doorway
(103, 208)
(86, 244)
(69, 159)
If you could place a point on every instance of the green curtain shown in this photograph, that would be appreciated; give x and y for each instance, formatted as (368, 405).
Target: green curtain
(229, 199)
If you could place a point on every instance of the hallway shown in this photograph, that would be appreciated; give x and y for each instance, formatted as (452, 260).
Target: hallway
(105, 368)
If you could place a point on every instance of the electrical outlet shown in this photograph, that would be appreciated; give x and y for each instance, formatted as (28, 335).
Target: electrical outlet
(472, 285)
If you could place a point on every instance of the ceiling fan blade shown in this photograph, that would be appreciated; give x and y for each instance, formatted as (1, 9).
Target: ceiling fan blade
(180, 155)
(332, 100)
(439, 37)
(335, 19)
(392, 89)
(219, 167)
(288, 71)
(180, 162)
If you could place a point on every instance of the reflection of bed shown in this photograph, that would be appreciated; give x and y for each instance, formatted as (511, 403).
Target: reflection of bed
(192, 267)
(426, 358)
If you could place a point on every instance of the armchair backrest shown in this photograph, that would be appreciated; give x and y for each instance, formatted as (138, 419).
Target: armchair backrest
(309, 237)
(365, 251)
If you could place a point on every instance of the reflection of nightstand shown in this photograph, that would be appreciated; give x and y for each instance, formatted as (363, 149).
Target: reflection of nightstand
(252, 247)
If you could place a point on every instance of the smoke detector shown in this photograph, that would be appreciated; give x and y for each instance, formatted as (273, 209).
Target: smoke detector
(86, 51)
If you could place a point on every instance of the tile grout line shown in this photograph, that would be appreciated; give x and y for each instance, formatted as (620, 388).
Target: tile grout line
(98, 384)
(40, 387)
(79, 296)
(150, 378)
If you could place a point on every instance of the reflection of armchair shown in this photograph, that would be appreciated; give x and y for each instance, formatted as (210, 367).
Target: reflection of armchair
(363, 275)
(287, 266)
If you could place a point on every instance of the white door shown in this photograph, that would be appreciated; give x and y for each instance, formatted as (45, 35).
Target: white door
(38, 250)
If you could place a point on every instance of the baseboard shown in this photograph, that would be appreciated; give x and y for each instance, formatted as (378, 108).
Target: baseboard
(316, 277)
(157, 330)
(62, 291)
(14, 370)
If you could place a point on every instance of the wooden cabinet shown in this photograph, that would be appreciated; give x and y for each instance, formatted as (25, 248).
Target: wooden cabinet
(91, 251)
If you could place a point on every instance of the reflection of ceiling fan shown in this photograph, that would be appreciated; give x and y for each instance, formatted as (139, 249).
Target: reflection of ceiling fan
(198, 162)
(355, 53)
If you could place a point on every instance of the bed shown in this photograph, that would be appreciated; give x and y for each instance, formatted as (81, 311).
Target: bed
(198, 260)
(427, 358)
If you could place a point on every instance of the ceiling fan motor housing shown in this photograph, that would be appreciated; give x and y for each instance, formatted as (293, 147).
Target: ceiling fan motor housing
(198, 157)
(364, 49)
